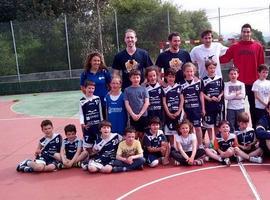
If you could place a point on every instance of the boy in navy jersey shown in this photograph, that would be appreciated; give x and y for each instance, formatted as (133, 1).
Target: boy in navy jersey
(156, 147)
(156, 93)
(90, 113)
(172, 105)
(104, 149)
(213, 90)
(47, 153)
(193, 99)
(71, 150)
(247, 140)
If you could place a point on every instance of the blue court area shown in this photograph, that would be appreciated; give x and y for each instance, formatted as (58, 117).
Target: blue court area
(56, 104)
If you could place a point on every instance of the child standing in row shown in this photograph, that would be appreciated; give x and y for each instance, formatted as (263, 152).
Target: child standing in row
(90, 113)
(213, 87)
(261, 89)
(137, 101)
(156, 147)
(172, 105)
(193, 99)
(234, 92)
(186, 151)
(115, 106)
(47, 153)
(155, 91)
(71, 150)
(247, 141)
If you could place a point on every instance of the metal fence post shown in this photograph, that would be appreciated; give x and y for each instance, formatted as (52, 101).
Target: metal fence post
(116, 29)
(15, 51)
(68, 54)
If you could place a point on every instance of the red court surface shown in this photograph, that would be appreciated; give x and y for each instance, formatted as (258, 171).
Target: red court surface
(18, 140)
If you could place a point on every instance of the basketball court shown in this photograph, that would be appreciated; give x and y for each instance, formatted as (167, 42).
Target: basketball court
(20, 132)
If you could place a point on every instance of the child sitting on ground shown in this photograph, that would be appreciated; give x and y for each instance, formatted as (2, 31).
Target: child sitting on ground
(47, 153)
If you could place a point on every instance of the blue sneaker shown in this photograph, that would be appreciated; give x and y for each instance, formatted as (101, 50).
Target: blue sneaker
(22, 165)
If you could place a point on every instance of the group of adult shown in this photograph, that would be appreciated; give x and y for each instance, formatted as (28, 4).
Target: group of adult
(246, 54)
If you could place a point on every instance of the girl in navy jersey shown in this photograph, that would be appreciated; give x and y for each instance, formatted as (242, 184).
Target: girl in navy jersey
(115, 105)
(186, 151)
(172, 104)
(193, 98)
(156, 93)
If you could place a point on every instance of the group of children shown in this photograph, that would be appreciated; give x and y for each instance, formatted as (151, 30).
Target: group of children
(178, 109)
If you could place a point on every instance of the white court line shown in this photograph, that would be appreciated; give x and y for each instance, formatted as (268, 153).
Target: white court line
(249, 181)
(178, 174)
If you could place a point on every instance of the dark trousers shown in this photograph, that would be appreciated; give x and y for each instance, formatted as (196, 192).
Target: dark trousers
(176, 155)
(251, 101)
(137, 163)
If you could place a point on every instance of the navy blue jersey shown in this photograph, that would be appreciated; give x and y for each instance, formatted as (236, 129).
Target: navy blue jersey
(71, 147)
(155, 108)
(91, 110)
(165, 60)
(172, 95)
(191, 92)
(246, 136)
(106, 149)
(150, 140)
(263, 128)
(50, 146)
(222, 144)
(213, 87)
(125, 63)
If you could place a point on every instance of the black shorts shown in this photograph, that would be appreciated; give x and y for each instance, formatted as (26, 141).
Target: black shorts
(46, 160)
(139, 125)
(212, 119)
(194, 116)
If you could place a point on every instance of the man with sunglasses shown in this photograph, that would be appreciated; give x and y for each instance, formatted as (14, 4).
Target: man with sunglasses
(247, 55)
(208, 50)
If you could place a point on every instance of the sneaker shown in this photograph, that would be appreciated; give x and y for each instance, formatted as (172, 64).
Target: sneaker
(239, 158)
(226, 161)
(84, 166)
(28, 169)
(198, 162)
(165, 161)
(116, 169)
(154, 163)
(77, 165)
(60, 165)
(257, 159)
(22, 165)
(176, 163)
(206, 158)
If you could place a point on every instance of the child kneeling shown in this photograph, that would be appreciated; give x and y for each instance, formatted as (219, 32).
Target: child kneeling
(156, 147)
(186, 151)
(47, 153)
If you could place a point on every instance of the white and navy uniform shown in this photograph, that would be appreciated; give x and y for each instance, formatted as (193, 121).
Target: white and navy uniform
(49, 146)
(245, 137)
(90, 112)
(213, 87)
(150, 140)
(192, 103)
(71, 147)
(106, 150)
(263, 132)
(155, 108)
(223, 144)
(172, 94)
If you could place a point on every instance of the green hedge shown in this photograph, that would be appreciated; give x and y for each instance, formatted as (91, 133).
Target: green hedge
(39, 86)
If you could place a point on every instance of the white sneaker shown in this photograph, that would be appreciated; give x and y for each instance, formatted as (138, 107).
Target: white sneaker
(176, 163)
(154, 163)
(206, 158)
(227, 161)
(256, 159)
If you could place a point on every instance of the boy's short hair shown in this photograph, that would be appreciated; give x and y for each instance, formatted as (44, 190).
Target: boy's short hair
(105, 123)
(223, 122)
(243, 117)
(206, 32)
(233, 69)
(46, 122)
(184, 121)
(89, 83)
(129, 130)
(134, 72)
(70, 128)
(262, 67)
(209, 62)
(154, 120)
(246, 26)
(150, 69)
(173, 34)
(170, 71)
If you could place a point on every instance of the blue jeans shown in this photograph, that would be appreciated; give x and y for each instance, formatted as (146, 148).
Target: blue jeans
(137, 163)
(232, 118)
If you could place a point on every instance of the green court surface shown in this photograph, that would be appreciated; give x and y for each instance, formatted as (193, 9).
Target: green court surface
(56, 104)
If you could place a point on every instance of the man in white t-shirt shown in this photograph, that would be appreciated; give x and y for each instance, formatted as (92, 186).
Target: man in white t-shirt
(207, 50)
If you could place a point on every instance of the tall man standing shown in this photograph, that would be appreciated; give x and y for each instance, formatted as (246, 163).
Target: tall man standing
(208, 50)
(247, 55)
(130, 58)
(174, 57)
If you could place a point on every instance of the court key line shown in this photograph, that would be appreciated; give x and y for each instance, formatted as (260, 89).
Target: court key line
(179, 174)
